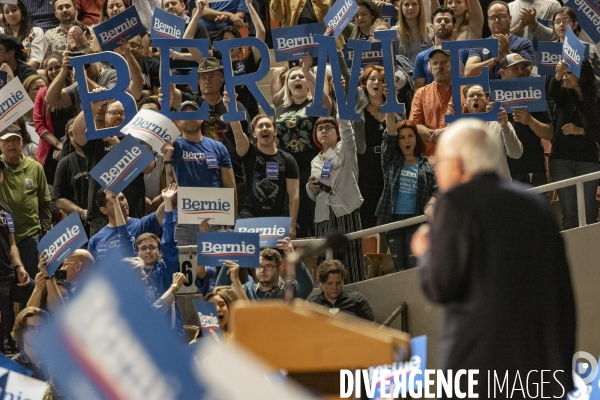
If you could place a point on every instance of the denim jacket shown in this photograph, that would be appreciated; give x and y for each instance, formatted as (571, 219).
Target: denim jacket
(392, 161)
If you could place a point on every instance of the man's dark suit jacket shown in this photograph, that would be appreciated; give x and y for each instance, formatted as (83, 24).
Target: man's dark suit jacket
(497, 262)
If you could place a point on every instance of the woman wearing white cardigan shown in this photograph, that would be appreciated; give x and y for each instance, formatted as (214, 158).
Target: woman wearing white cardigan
(333, 185)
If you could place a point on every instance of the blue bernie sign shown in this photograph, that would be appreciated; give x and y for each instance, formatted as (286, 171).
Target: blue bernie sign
(588, 17)
(340, 15)
(208, 318)
(270, 229)
(166, 25)
(527, 94)
(573, 52)
(214, 248)
(108, 342)
(125, 25)
(62, 240)
(122, 165)
(292, 42)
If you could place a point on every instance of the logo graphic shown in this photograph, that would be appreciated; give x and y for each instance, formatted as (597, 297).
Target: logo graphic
(588, 370)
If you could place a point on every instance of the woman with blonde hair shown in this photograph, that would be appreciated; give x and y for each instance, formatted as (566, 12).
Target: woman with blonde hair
(294, 130)
(469, 18)
(414, 33)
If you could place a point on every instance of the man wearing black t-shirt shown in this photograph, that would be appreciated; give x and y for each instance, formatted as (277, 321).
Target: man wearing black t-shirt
(71, 183)
(271, 174)
(10, 264)
(530, 128)
(150, 67)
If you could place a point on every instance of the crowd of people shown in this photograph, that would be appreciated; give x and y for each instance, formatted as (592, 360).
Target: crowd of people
(326, 173)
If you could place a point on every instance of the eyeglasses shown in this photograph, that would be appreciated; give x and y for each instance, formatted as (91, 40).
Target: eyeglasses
(296, 76)
(117, 113)
(327, 128)
(267, 267)
(495, 18)
(135, 45)
(146, 248)
(564, 21)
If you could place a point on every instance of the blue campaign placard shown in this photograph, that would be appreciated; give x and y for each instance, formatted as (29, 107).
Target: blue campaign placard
(291, 42)
(588, 17)
(62, 240)
(418, 361)
(11, 365)
(3, 78)
(125, 25)
(573, 52)
(121, 166)
(166, 25)
(339, 15)
(374, 55)
(214, 248)
(109, 343)
(270, 229)
(548, 55)
(208, 318)
(522, 93)
(389, 14)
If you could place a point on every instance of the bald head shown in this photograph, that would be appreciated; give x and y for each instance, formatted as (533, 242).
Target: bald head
(76, 263)
(467, 148)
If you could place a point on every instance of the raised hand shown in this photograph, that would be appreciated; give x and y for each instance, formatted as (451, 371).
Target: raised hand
(167, 150)
(285, 244)
(233, 271)
(170, 192)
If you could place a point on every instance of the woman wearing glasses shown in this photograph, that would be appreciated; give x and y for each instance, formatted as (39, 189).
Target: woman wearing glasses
(574, 145)
(566, 17)
(294, 131)
(27, 324)
(50, 121)
(333, 185)
(409, 183)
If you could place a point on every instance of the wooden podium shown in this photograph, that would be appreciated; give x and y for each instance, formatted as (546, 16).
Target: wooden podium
(311, 344)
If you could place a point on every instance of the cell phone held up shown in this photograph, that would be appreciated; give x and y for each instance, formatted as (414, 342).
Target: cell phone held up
(76, 53)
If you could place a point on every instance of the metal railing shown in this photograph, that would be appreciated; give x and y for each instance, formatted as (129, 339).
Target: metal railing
(578, 181)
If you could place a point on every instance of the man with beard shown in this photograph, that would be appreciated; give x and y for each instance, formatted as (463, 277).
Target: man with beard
(198, 161)
(271, 173)
(443, 26)
(431, 101)
(499, 20)
(65, 12)
(210, 80)
(476, 101)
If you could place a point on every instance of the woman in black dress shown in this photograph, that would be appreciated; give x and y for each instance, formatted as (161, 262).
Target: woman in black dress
(369, 131)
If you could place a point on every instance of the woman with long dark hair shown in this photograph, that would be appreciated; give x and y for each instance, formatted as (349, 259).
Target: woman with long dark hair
(333, 186)
(409, 182)
(576, 136)
(50, 121)
(17, 22)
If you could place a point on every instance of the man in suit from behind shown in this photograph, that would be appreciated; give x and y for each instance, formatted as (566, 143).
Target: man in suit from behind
(494, 258)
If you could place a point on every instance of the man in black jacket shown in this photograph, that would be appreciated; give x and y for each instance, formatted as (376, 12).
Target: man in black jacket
(495, 259)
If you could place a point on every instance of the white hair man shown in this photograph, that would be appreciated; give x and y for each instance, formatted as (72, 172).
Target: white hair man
(495, 257)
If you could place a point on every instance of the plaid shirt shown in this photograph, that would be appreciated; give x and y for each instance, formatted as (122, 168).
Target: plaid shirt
(392, 161)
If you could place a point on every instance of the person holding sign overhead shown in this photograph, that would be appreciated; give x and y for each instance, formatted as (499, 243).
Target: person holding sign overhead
(272, 176)
(574, 146)
(161, 257)
(333, 186)
(268, 276)
(409, 183)
(476, 101)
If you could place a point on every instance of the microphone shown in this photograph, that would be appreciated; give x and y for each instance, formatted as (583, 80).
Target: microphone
(336, 241)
